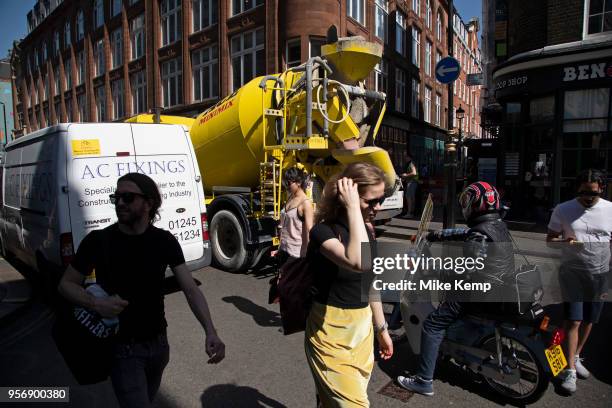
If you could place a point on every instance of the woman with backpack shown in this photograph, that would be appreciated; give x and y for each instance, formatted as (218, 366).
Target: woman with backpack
(340, 329)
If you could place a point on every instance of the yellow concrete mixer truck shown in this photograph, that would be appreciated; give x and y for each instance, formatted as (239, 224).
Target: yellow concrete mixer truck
(316, 116)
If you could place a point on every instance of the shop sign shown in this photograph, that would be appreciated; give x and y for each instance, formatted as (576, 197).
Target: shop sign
(587, 71)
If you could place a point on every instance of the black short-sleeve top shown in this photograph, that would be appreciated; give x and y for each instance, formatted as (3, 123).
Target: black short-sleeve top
(333, 285)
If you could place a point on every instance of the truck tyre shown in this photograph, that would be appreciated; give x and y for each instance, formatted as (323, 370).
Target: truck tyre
(227, 239)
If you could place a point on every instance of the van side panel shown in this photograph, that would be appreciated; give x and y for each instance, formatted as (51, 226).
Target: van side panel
(39, 199)
(11, 233)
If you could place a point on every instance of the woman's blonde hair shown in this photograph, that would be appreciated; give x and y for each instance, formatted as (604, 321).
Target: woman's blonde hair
(329, 208)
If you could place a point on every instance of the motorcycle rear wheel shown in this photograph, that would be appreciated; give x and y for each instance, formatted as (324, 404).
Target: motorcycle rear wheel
(534, 380)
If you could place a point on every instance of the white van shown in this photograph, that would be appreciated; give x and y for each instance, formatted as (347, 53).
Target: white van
(57, 182)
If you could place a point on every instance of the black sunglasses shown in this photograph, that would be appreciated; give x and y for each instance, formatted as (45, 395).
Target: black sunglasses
(127, 198)
(589, 193)
(372, 203)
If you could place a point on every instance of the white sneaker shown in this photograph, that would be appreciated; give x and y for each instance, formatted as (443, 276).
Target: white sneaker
(581, 370)
(568, 380)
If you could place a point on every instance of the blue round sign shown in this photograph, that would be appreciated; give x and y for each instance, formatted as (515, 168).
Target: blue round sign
(447, 70)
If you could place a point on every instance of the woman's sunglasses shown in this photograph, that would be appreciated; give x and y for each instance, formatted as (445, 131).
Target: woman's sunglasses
(373, 202)
(127, 198)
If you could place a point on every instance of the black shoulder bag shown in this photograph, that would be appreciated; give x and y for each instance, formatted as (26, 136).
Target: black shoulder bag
(83, 337)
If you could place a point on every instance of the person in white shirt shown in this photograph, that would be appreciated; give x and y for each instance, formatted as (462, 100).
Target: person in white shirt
(581, 227)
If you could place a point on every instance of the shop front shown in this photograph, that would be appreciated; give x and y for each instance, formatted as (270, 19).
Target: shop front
(556, 122)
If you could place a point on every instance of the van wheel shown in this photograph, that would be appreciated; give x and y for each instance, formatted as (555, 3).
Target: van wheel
(228, 242)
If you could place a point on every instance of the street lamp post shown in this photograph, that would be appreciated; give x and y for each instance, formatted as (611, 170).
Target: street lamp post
(453, 146)
(5, 129)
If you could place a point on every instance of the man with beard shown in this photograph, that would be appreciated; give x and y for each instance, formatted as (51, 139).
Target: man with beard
(139, 254)
(583, 225)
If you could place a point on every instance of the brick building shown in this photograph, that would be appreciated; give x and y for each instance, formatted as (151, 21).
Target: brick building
(106, 60)
(549, 70)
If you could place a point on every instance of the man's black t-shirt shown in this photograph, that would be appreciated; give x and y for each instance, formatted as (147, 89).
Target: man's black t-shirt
(134, 270)
(335, 286)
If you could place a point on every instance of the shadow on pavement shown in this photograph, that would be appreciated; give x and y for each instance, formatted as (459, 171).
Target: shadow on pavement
(230, 395)
(262, 316)
(29, 357)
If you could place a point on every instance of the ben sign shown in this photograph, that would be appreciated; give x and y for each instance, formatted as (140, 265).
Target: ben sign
(587, 71)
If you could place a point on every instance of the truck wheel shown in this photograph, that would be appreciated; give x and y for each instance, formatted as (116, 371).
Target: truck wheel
(228, 243)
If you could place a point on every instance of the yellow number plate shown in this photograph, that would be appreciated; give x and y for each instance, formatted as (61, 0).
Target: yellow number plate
(556, 359)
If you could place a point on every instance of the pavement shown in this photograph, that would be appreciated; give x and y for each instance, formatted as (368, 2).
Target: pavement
(15, 291)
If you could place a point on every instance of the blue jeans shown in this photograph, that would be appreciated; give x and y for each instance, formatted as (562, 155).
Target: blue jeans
(434, 329)
(137, 370)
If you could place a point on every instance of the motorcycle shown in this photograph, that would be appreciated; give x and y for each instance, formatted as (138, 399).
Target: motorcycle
(516, 358)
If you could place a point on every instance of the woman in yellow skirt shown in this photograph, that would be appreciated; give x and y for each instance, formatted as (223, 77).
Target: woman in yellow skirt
(342, 323)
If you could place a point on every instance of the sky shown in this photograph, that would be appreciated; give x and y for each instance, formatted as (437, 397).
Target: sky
(468, 9)
(13, 18)
(13, 14)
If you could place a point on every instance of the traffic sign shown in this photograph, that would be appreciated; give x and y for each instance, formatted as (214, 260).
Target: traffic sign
(447, 70)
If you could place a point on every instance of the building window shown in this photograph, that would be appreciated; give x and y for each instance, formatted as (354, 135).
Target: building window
(115, 7)
(400, 90)
(356, 10)
(68, 103)
(586, 110)
(80, 67)
(46, 87)
(240, 6)
(248, 59)
(416, 86)
(137, 37)
(599, 17)
(416, 6)
(428, 55)
(100, 104)
(46, 118)
(428, 14)
(439, 26)
(68, 74)
(99, 60)
(56, 43)
(204, 14)
(381, 74)
(82, 107)
(139, 92)
(58, 112)
(382, 13)
(44, 53)
(98, 13)
(416, 47)
(314, 47)
(117, 93)
(205, 65)
(400, 32)
(427, 105)
(67, 40)
(170, 21)
(56, 82)
(293, 53)
(117, 44)
(79, 26)
(438, 109)
(172, 82)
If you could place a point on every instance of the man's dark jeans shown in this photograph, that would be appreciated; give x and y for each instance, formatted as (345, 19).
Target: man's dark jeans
(434, 329)
(137, 371)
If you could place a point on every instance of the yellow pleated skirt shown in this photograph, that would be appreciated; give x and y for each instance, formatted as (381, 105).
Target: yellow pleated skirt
(339, 347)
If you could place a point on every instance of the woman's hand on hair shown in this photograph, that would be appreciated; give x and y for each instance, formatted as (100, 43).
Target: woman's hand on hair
(348, 194)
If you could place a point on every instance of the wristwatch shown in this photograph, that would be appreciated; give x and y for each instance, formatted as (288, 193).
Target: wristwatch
(379, 329)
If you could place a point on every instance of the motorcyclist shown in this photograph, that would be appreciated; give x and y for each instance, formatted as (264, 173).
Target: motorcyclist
(481, 207)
